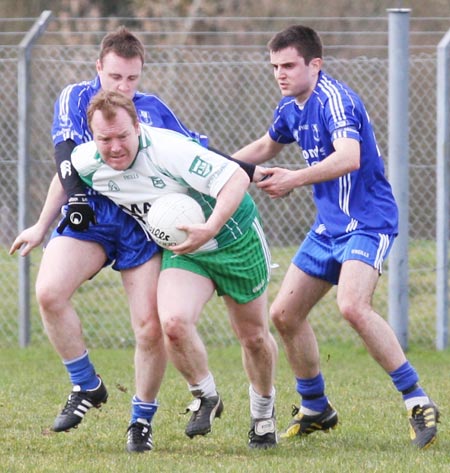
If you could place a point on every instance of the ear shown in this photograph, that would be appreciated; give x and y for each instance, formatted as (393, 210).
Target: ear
(98, 65)
(316, 63)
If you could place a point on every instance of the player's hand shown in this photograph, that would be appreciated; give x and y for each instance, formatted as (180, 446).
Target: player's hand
(277, 182)
(27, 240)
(260, 174)
(79, 214)
(198, 235)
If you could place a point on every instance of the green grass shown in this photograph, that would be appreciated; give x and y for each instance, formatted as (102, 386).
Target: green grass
(372, 436)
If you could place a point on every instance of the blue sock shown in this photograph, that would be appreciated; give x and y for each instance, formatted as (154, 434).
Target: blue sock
(82, 372)
(312, 391)
(142, 410)
(406, 380)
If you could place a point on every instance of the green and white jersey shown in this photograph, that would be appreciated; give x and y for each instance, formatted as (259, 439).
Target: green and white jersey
(166, 162)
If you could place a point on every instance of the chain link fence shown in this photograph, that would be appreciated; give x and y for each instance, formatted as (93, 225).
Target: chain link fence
(228, 93)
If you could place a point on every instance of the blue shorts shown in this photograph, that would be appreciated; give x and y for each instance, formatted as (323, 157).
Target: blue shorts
(322, 257)
(123, 240)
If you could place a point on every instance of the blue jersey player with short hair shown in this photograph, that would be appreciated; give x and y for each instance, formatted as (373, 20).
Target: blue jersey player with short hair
(353, 232)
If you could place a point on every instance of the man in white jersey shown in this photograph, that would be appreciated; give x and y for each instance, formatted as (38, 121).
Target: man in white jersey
(355, 226)
(134, 164)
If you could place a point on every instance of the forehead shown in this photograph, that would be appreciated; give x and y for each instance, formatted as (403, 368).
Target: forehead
(124, 66)
(285, 56)
(119, 122)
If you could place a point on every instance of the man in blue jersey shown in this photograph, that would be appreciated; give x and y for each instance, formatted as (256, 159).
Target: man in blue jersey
(95, 233)
(354, 229)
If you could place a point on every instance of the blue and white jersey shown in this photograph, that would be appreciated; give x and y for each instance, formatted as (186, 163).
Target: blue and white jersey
(360, 200)
(70, 121)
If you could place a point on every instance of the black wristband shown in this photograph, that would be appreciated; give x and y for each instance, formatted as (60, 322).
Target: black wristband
(247, 167)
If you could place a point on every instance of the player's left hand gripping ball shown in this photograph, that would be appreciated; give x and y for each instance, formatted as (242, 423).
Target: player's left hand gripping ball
(79, 214)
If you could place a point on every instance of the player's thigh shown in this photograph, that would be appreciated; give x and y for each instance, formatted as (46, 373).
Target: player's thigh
(66, 263)
(298, 294)
(357, 283)
(140, 284)
(182, 294)
(250, 318)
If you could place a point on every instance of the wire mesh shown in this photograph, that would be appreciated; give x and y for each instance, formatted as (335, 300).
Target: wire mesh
(229, 94)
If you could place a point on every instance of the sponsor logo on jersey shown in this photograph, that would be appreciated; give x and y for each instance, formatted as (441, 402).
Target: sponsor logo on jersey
(158, 182)
(313, 155)
(113, 187)
(217, 174)
(138, 211)
(200, 167)
(145, 117)
(131, 176)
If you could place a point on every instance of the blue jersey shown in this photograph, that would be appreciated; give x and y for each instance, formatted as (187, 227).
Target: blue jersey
(360, 200)
(70, 121)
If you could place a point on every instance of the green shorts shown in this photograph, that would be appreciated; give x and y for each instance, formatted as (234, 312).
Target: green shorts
(240, 270)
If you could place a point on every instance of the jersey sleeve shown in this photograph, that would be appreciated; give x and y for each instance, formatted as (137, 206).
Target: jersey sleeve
(343, 116)
(191, 164)
(69, 118)
(69, 129)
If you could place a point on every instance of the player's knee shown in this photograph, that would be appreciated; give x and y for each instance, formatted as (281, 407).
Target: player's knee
(175, 328)
(148, 332)
(280, 318)
(254, 341)
(352, 311)
(48, 297)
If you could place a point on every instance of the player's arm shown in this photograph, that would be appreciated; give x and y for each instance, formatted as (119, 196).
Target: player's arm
(259, 151)
(79, 212)
(344, 159)
(68, 130)
(68, 175)
(228, 200)
(34, 235)
(251, 169)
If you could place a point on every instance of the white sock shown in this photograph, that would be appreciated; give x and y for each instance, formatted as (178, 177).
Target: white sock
(261, 407)
(205, 388)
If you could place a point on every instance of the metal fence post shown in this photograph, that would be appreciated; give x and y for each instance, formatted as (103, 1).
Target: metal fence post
(23, 74)
(442, 189)
(398, 144)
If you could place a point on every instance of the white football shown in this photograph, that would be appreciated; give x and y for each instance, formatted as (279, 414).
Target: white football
(169, 212)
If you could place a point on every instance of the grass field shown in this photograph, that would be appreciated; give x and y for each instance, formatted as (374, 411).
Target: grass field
(372, 436)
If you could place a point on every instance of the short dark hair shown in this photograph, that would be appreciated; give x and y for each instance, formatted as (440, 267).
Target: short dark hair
(108, 102)
(123, 43)
(304, 39)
